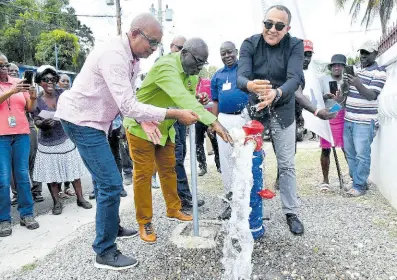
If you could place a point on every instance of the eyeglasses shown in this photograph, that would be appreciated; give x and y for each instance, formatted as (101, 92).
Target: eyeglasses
(47, 80)
(152, 43)
(5, 65)
(178, 47)
(278, 25)
(198, 62)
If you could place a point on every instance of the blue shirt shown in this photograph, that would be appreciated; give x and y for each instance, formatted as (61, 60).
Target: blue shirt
(116, 123)
(229, 100)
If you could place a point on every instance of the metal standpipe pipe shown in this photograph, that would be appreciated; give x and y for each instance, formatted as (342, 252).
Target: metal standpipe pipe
(193, 167)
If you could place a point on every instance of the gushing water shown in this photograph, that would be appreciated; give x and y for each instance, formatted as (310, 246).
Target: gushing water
(239, 243)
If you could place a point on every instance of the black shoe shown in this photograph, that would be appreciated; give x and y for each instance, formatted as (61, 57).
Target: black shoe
(125, 233)
(219, 170)
(5, 229)
(14, 200)
(229, 196)
(115, 261)
(127, 181)
(123, 193)
(84, 204)
(295, 225)
(226, 214)
(38, 197)
(202, 172)
(57, 210)
(91, 196)
(29, 223)
(187, 204)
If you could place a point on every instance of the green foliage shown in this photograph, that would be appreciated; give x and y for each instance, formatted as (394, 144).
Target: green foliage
(207, 72)
(373, 8)
(27, 26)
(353, 60)
(68, 49)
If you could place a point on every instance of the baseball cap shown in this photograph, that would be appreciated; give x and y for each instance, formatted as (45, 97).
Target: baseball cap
(369, 46)
(307, 46)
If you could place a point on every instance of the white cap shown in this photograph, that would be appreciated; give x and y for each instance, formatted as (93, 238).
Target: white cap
(369, 46)
(42, 68)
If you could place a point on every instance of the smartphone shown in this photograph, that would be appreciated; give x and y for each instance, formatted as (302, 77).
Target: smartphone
(28, 76)
(333, 87)
(335, 108)
(349, 69)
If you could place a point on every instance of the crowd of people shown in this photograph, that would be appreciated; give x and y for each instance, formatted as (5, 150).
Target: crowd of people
(119, 128)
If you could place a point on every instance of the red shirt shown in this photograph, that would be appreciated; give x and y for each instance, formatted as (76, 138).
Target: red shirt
(204, 85)
(14, 106)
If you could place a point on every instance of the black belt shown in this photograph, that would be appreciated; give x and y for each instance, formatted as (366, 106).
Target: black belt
(234, 113)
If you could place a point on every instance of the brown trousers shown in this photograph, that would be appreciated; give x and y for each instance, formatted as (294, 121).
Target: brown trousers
(144, 154)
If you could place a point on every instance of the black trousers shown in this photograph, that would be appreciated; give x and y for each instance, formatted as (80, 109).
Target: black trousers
(201, 130)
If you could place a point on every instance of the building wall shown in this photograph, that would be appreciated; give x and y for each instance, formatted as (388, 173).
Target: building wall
(384, 147)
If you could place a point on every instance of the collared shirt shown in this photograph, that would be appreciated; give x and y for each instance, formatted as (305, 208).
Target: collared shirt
(358, 108)
(166, 85)
(104, 88)
(281, 64)
(14, 107)
(230, 100)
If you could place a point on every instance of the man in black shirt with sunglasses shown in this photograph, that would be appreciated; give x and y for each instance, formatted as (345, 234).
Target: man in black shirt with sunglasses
(270, 71)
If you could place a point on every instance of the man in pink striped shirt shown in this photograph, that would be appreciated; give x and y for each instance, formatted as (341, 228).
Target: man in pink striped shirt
(102, 90)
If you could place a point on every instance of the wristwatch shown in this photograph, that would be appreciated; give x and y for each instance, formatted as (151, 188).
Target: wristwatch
(278, 96)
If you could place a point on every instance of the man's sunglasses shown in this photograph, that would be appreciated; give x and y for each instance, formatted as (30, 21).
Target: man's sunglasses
(278, 25)
(152, 43)
(47, 80)
(178, 47)
(198, 62)
(5, 65)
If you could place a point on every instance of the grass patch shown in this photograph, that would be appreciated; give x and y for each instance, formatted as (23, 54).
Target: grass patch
(29, 267)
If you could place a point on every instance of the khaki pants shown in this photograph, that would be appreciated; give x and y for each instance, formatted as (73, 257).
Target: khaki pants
(146, 156)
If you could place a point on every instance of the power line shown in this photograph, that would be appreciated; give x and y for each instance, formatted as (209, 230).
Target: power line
(53, 13)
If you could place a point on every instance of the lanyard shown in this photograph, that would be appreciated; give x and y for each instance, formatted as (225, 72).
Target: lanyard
(8, 101)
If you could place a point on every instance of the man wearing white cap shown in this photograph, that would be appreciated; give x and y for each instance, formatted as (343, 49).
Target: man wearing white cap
(361, 116)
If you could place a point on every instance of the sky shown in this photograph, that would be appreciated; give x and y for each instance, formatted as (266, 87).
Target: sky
(217, 21)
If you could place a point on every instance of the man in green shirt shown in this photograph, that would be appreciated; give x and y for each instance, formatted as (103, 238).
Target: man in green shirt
(170, 83)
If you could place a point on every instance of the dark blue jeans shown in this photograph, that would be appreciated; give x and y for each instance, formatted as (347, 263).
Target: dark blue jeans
(97, 156)
(180, 154)
(14, 155)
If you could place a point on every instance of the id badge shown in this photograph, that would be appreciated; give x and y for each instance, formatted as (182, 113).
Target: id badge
(227, 86)
(12, 122)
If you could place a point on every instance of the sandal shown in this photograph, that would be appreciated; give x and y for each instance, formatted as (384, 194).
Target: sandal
(324, 187)
(70, 192)
(355, 193)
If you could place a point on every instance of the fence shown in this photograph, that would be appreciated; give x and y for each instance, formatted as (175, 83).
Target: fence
(388, 40)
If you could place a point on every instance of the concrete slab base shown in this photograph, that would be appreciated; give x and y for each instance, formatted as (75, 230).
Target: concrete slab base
(182, 236)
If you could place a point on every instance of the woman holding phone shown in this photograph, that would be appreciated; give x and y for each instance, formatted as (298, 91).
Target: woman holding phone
(330, 86)
(57, 159)
(16, 97)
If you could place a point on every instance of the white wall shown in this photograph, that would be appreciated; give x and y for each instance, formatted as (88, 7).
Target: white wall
(384, 147)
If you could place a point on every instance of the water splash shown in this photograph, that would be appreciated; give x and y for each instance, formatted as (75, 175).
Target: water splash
(239, 243)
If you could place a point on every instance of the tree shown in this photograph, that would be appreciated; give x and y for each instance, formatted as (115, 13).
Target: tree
(207, 72)
(353, 60)
(68, 45)
(22, 23)
(374, 8)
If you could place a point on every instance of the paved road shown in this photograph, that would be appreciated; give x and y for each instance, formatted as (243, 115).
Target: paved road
(46, 206)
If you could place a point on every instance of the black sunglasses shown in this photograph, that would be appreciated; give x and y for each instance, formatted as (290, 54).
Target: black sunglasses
(278, 25)
(198, 62)
(152, 43)
(47, 80)
(5, 65)
(178, 47)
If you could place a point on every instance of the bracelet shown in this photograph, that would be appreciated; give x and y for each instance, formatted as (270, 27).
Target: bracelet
(316, 112)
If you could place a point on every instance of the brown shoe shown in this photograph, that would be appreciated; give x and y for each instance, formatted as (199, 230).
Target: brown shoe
(180, 216)
(147, 233)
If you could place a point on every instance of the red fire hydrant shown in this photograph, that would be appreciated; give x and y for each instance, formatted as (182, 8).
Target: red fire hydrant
(253, 131)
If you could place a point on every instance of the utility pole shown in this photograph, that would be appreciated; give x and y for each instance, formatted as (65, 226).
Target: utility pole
(168, 17)
(118, 15)
(56, 56)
